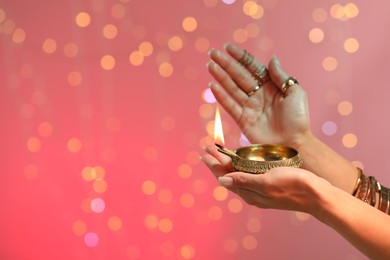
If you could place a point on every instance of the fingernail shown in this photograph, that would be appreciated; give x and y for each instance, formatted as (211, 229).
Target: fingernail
(225, 181)
(276, 59)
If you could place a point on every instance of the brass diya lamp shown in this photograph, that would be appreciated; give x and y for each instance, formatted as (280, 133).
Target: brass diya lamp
(260, 158)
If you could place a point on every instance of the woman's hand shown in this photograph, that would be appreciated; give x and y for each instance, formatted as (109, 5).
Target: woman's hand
(280, 188)
(267, 116)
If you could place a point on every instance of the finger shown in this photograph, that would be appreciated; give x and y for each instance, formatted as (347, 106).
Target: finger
(227, 102)
(279, 76)
(256, 68)
(242, 78)
(222, 158)
(214, 165)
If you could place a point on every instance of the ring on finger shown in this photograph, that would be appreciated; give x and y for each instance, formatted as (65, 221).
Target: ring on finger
(290, 81)
(261, 74)
(246, 59)
(253, 91)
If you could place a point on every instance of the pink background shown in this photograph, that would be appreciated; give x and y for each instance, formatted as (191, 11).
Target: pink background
(102, 162)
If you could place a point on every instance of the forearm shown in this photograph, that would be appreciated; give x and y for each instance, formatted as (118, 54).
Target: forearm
(365, 227)
(323, 161)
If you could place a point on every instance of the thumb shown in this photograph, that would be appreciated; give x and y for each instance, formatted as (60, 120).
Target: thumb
(241, 180)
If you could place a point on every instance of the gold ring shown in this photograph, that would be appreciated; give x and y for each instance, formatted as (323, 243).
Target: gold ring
(290, 81)
(261, 74)
(246, 59)
(254, 90)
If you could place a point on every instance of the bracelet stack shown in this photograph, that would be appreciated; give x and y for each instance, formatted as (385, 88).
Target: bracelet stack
(367, 188)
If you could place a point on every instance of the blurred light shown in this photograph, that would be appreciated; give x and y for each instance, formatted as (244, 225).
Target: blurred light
(151, 221)
(351, 45)
(91, 239)
(146, 48)
(208, 96)
(235, 205)
(100, 172)
(118, 11)
(329, 63)
(19, 35)
(351, 10)
(168, 123)
(189, 24)
(88, 173)
(187, 252)
(187, 200)
(230, 245)
(165, 225)
(100, 186)
(114, 223)
(49, 46)
(71, 50)
(229, 2)
(240, 35)
(165, 69)
(83, 19)
(202, 44)
(244, 140)
(319, 15)
(107, 62)
(185, 171)
(345, 108)
(220, 193)
(148, 187)
(79, 228)
(252, 30)
(75, 78)
(206, 110)
(253, 225)
(2, 15)
(150, 153)
(74, 145)
(252, 9)
(249, 242)
(45, 129)
(98, 205)
(337, 11)
(349, 140)
(136, 58)
(205, 141)
(34, 144)
(175, 43)
(30, 172)
(210, 3)
(110, 31)
(316, 35)
(215, 213)
(218, 128)
(329, 128)
(165, 196)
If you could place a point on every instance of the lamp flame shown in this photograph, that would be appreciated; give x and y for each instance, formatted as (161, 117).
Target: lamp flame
(218, 131)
